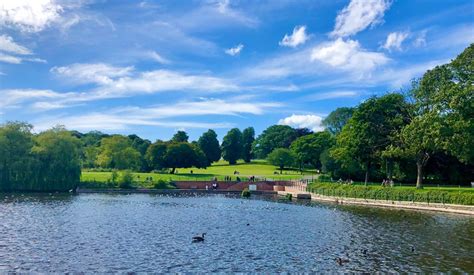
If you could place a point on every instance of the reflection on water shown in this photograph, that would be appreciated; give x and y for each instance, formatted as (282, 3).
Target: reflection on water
(152, 233)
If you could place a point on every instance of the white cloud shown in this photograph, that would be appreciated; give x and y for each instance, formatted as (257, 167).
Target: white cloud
(8, 45)
(235, 50)
(312, 122)
(9, 59)
(298, 37)
(420, 40)
(331, 95)
(16, 97)
(123, 117)
(359, 15)
(157, 57)
(29, 15)
(348, 55)
(99, 73)
(394, 41)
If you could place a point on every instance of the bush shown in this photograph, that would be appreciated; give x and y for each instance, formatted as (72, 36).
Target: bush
(162, 184)
(289, 196)
(324, 178)
(245, 193)
(393, 194)
(126, 180)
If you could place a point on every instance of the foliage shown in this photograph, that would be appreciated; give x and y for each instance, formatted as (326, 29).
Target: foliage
(183, 155)
(163, 184)
(49, 161)
(248, 137)
(116, 152)
(282, 158)
(336, 120)
(232, 146)
(155, 155)
(289, 196)
(180, 136)
(245, 193)
(308, 149)
(126, 180)
(276, 136)
(209, 145)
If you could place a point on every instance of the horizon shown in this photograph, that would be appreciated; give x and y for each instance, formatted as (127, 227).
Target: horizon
(163, 67)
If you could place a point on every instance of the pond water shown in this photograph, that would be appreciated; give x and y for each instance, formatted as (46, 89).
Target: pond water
(152, 233)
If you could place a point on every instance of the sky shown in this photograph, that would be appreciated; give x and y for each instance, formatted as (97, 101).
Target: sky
(155, 67)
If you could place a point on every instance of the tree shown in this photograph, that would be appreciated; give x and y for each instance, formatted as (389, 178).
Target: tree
(16, 160)
(155, 155)
(276, 136)
(248, 137)
(183, 155)
(180, 136)
(371, 130)
(336, 120)
(59, 154)
(116, 152)
(282, 158)
(308, 149)
(232, 146)
(209, 145)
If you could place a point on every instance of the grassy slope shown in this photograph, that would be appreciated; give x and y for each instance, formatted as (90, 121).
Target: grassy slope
(219, 169)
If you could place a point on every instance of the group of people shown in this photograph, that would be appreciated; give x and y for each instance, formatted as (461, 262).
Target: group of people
(349, 181)
(387, 183)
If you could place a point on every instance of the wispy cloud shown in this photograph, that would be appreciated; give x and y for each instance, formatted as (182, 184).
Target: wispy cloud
(359, 15)
(394, 41)
(14, 53)
(123, 117)
(298, 37)
(235, 50)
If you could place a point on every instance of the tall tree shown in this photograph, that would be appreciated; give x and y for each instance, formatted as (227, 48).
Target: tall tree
(248, 137)
(59, 153)
(184, 155)
(308, 149)
(336, 120)
(276, 136)
(209, 144)
(116, 152)
(371, 130)
(180, 136)
(155, 155)
(282, 158)
(232, 146)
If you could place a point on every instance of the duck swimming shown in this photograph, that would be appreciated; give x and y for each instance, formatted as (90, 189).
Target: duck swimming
(198, 239)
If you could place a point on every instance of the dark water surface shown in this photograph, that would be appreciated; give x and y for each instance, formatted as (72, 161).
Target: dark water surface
(152, 233)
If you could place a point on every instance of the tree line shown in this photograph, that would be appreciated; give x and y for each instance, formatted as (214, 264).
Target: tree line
(424, 133)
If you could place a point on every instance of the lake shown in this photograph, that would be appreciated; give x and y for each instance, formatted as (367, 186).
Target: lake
(152, 233)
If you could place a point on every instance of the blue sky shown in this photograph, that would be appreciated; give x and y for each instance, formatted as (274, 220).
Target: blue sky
(155, 67)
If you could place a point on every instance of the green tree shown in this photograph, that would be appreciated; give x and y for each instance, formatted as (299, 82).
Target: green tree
(282, 158)
(209, 144)
(116, 152)
(308, 149)
(371, 129)
(336, 120)
(59, 154)
(248, 137)
(183, 155)
(180, 136)
(16, 160)
(156, 154)
(232, 146)
(276, 136)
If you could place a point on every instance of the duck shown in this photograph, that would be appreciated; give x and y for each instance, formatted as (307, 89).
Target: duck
(198, 239)
(341, 261)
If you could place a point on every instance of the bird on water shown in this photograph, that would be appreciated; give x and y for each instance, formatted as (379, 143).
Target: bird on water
(198, 239)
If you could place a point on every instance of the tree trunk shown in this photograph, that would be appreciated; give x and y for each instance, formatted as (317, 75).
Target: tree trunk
(390, 170)
(172, 170)
(367, 173)
(419, 175)
(281, 170)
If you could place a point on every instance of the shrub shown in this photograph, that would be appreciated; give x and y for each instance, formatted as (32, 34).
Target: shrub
(126, 180)
(289, 196)
(162, 184)
(245, 193)
(393, 194)
(324, 178)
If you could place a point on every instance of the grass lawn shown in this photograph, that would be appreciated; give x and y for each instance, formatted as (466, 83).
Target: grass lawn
(221, 169)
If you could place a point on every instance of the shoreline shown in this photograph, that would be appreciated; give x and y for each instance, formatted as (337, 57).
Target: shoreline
(438, 207)
(168, 191)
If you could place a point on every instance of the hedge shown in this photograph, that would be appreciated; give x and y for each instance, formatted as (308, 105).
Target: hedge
(392, 193)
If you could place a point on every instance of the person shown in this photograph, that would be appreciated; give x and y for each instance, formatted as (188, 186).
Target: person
(191, 171)
(207, 187)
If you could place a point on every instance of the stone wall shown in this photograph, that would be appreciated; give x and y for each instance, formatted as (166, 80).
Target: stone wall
(230, 185)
